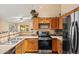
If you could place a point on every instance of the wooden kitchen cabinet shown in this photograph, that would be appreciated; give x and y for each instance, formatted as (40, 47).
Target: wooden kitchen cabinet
(35, 23)
(57, 23)
(60, 21)
(44, 20)
(20, 48)
(54, 23)
(31, 45)
(56, 46)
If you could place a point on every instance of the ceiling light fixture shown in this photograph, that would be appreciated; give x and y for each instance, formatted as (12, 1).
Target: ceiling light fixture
(33, 12)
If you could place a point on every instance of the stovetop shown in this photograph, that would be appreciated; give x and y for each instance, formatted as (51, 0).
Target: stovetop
(44, 38)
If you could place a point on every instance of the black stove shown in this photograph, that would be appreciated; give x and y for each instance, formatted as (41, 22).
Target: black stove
(45, 42)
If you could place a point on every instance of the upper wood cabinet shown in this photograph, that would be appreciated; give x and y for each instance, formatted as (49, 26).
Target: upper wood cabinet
(44, 20)
(55, 23)
(60, 21)
(35, 23)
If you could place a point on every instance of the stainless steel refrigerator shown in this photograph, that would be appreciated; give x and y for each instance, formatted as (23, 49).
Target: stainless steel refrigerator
(71, 33)
(74, 32)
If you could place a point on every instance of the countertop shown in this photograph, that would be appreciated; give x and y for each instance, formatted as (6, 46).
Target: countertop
(5, 48)
(28, 36)
(59, 37)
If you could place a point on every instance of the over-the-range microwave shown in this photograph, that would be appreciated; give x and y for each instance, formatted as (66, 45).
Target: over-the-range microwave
(44, 25)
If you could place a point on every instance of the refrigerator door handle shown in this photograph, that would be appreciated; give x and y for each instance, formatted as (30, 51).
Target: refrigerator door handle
(76, 39)
(71, 36)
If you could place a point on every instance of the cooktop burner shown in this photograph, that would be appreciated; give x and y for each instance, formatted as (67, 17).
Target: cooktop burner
(44, 38)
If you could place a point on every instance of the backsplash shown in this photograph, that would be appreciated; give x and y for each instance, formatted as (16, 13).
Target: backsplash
(51, 31)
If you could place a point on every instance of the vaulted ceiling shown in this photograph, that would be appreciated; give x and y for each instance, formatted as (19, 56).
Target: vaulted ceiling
(8, 11)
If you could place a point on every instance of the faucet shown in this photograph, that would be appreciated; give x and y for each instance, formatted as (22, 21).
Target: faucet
(8, 39)
(8, 36)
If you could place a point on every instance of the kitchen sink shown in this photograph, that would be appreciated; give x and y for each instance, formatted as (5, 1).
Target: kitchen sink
(11, 41)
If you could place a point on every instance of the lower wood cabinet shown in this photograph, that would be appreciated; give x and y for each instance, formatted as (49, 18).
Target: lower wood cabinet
(20, 48)
(27, 46)
(56, 46)
(31, 45)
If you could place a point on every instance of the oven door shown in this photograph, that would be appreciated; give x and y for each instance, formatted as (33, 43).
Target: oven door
(45, 44)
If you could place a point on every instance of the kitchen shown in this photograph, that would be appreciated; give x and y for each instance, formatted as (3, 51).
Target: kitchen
(38, 29)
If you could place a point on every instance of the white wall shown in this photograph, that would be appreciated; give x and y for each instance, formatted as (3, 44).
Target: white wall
(4, 26)
(68, 7)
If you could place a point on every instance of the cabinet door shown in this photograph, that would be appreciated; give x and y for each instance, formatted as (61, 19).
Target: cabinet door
(31, 45)
(60, 23)
(23, 47)
(54, 23)
(35, 23)
(20, 48)
(44, 20)
(56, 45)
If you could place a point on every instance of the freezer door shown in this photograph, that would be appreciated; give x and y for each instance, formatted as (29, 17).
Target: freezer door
(77, 19)
(74, 37)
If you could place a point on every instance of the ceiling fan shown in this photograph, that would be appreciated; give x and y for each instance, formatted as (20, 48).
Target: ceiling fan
(34, 13)
(20, 18)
